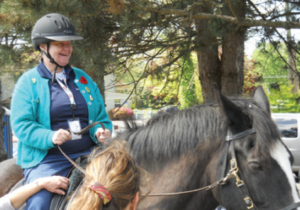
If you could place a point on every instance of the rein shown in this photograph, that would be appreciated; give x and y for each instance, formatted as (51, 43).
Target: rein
(233, 171)
(231, 174)
(209, 187)
(80, 133)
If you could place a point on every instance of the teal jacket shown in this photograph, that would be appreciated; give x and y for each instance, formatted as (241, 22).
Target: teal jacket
(30, 114)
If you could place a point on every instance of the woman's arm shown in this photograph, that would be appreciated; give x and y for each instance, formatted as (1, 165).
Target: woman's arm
(25, 117)
(53, 184)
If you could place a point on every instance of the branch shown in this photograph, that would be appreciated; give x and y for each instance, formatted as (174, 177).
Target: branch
(229, 19)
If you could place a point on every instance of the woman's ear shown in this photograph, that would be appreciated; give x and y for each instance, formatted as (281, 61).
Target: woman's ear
(135, 201)
(43, 47)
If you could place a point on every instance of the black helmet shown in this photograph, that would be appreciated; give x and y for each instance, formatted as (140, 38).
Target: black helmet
(53, 27)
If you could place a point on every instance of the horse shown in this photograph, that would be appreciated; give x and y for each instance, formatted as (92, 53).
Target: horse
(230, 147)
(227, 152)
(10, 174)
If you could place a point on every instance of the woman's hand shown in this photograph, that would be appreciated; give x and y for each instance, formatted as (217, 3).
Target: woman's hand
(54, 184)
(103, 135)
(60, 136)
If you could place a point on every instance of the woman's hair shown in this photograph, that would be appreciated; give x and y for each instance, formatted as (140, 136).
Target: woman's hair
(117, 171)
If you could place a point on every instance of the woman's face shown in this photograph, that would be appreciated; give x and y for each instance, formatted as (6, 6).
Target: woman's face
(61, 52)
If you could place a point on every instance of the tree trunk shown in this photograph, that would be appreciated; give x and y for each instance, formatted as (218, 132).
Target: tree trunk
(232, 66)
(208, 59)
(3, 153)
(226, 70)
(209, 72)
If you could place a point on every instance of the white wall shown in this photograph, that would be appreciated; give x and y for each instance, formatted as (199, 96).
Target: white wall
(110, 99)
(111, 95)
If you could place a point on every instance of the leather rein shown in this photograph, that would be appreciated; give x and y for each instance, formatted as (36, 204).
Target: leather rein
(80, 133)
(233, 171)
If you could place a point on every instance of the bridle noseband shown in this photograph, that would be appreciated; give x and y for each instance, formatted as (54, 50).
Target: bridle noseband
(233, 171)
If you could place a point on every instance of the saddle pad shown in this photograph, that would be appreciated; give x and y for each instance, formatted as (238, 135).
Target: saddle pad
(75, 176)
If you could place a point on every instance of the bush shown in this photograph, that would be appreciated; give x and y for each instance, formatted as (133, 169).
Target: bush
(120, 113)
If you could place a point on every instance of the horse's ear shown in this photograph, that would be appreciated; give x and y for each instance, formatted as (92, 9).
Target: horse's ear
(232, 112)
(261, 99)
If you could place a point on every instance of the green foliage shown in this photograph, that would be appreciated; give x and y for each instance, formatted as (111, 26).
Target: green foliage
(118, 31)
(252, 76)
(283, 100)
(188, 95)
(93, 54)
(132, 106)
(269, 63)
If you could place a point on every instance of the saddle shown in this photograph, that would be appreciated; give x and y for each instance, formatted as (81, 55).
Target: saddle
(75, 176)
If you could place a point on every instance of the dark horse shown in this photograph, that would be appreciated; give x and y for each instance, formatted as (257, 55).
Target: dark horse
(185, 150)
(193, 148)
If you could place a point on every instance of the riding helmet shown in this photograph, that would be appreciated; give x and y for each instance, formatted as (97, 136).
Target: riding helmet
(53, 27)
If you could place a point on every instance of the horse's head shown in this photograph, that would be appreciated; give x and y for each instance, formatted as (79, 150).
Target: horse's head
(261, 175)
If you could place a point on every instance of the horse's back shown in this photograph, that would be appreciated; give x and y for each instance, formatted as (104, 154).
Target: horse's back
(10, 174)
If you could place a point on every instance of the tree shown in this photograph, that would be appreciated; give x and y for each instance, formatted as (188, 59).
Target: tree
(202, 26)
(92, 22)
(117, 30)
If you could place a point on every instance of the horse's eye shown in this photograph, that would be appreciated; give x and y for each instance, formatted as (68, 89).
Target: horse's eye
(254, 166)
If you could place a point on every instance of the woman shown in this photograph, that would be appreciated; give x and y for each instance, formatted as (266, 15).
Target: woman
(112, 181)
(17, 198)
(51, 98)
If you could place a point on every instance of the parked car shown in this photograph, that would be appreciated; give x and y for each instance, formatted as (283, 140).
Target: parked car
(288, 125)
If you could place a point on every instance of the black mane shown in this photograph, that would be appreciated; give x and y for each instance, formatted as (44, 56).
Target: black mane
(172, 134)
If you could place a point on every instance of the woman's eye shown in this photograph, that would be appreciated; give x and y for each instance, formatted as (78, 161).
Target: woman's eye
(254, 166)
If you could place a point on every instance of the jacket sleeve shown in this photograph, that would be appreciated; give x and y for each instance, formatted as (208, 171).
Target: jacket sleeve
(101, 115)
(5, 203)
(24, 114)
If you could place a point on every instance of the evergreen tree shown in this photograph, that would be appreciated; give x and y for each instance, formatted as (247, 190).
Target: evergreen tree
(202, 26)
(116, 30)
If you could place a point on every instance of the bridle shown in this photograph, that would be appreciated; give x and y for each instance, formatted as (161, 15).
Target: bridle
(233, 171)
(234, 168)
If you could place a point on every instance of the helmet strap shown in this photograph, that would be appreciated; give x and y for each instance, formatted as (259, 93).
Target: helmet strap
(50, 57)
(52, 61)
(54, 73)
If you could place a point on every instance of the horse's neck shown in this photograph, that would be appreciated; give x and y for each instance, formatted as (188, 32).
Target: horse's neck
(188, 172)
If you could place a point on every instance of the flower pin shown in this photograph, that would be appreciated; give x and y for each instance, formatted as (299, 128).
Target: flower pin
(83, 80)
